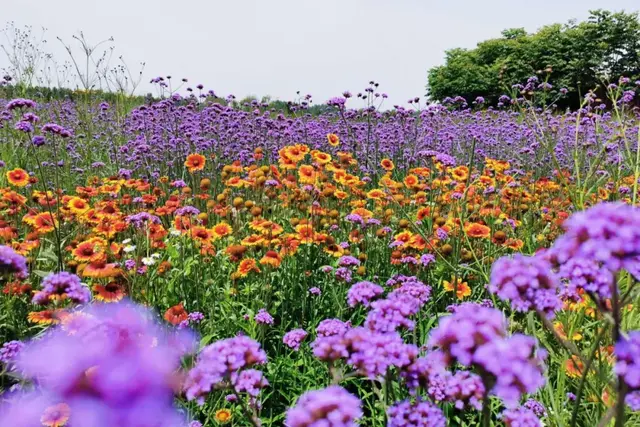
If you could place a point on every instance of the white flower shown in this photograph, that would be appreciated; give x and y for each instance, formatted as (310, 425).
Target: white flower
(129, 248)
(175, 232)
(148, 261)
(126, 241)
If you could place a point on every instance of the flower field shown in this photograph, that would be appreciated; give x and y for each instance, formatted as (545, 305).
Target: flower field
(196, 262)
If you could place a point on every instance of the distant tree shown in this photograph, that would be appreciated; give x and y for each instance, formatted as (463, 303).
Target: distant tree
(576, 56)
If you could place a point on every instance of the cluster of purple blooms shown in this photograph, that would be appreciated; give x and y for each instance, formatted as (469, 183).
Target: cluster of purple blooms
(294, 338)
(330, 407)
(62, 284)
(9, 351)
(12, 263)
(263, 317)
(520, 417)
(419, 413)
(362, 293)
(476, 336)
(627, 352)
(607, 233)
(116, 367)
(218, 363)
(527, 282)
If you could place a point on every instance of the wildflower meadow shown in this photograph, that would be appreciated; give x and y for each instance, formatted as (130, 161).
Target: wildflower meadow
(190, 260)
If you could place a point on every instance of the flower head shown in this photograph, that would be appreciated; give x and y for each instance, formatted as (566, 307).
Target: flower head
(329, 407)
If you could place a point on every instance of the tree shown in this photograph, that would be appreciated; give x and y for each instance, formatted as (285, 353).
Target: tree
(577, 56)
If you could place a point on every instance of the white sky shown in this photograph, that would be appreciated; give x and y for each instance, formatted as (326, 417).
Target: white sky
(276, 47)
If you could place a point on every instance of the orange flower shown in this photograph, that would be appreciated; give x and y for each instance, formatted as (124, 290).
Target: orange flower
(111, 292)
(77, 205)
(305, 233)
(56, 415)
(176, 314)
(45, 317)
(221, 230)
(477, 230)
(235, 252)
(334, 250)
(44, 222)
(223, 416)
(410, 181)
(91, 250)
(423, 213)
(574, 367)
(559, 327)
(515, 244)
(18, 177)
(333, 139)
(307, 174)
(271, 258)
(387, 164)
(201, 234)
(460, 174)
(246, 266)
(320, 157)
(195, 162)
(376, 194)
(253, 240)
(99, 270)
(461, 288)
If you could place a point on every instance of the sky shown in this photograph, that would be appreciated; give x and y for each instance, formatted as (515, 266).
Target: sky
(278, 47)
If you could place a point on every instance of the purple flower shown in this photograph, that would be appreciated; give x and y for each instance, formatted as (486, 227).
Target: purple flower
(627, 352)
(294, 338)
(9, 351)
(23, 126)
(461, 334)
(633, 400)
(262, 317)
(608, 233)
(20, 103)
(520, 417)
(442, 234)
(427, 259)
(331, 327)
(63, 284)
(196, 317)
(12, 263)
(527, 282)
(516, 365)
(187, 211)
(249, 381)
(414, 288)
(373, 353)
(118, 366)
(389, 314)
(537, 408)
(330, 407)
(315, 291)
(218, 361)
(344, 274)
(422, 370)
(56, 130)
(140, 219)
(363, 293)
(419, 413)
(464, 389)
(330, 348)
(588, 275)
(348, 261)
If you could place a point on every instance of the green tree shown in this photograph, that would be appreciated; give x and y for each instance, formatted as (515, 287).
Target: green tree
(575, 56)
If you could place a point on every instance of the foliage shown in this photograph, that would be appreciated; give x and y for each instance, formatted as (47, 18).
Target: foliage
(575, 56)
